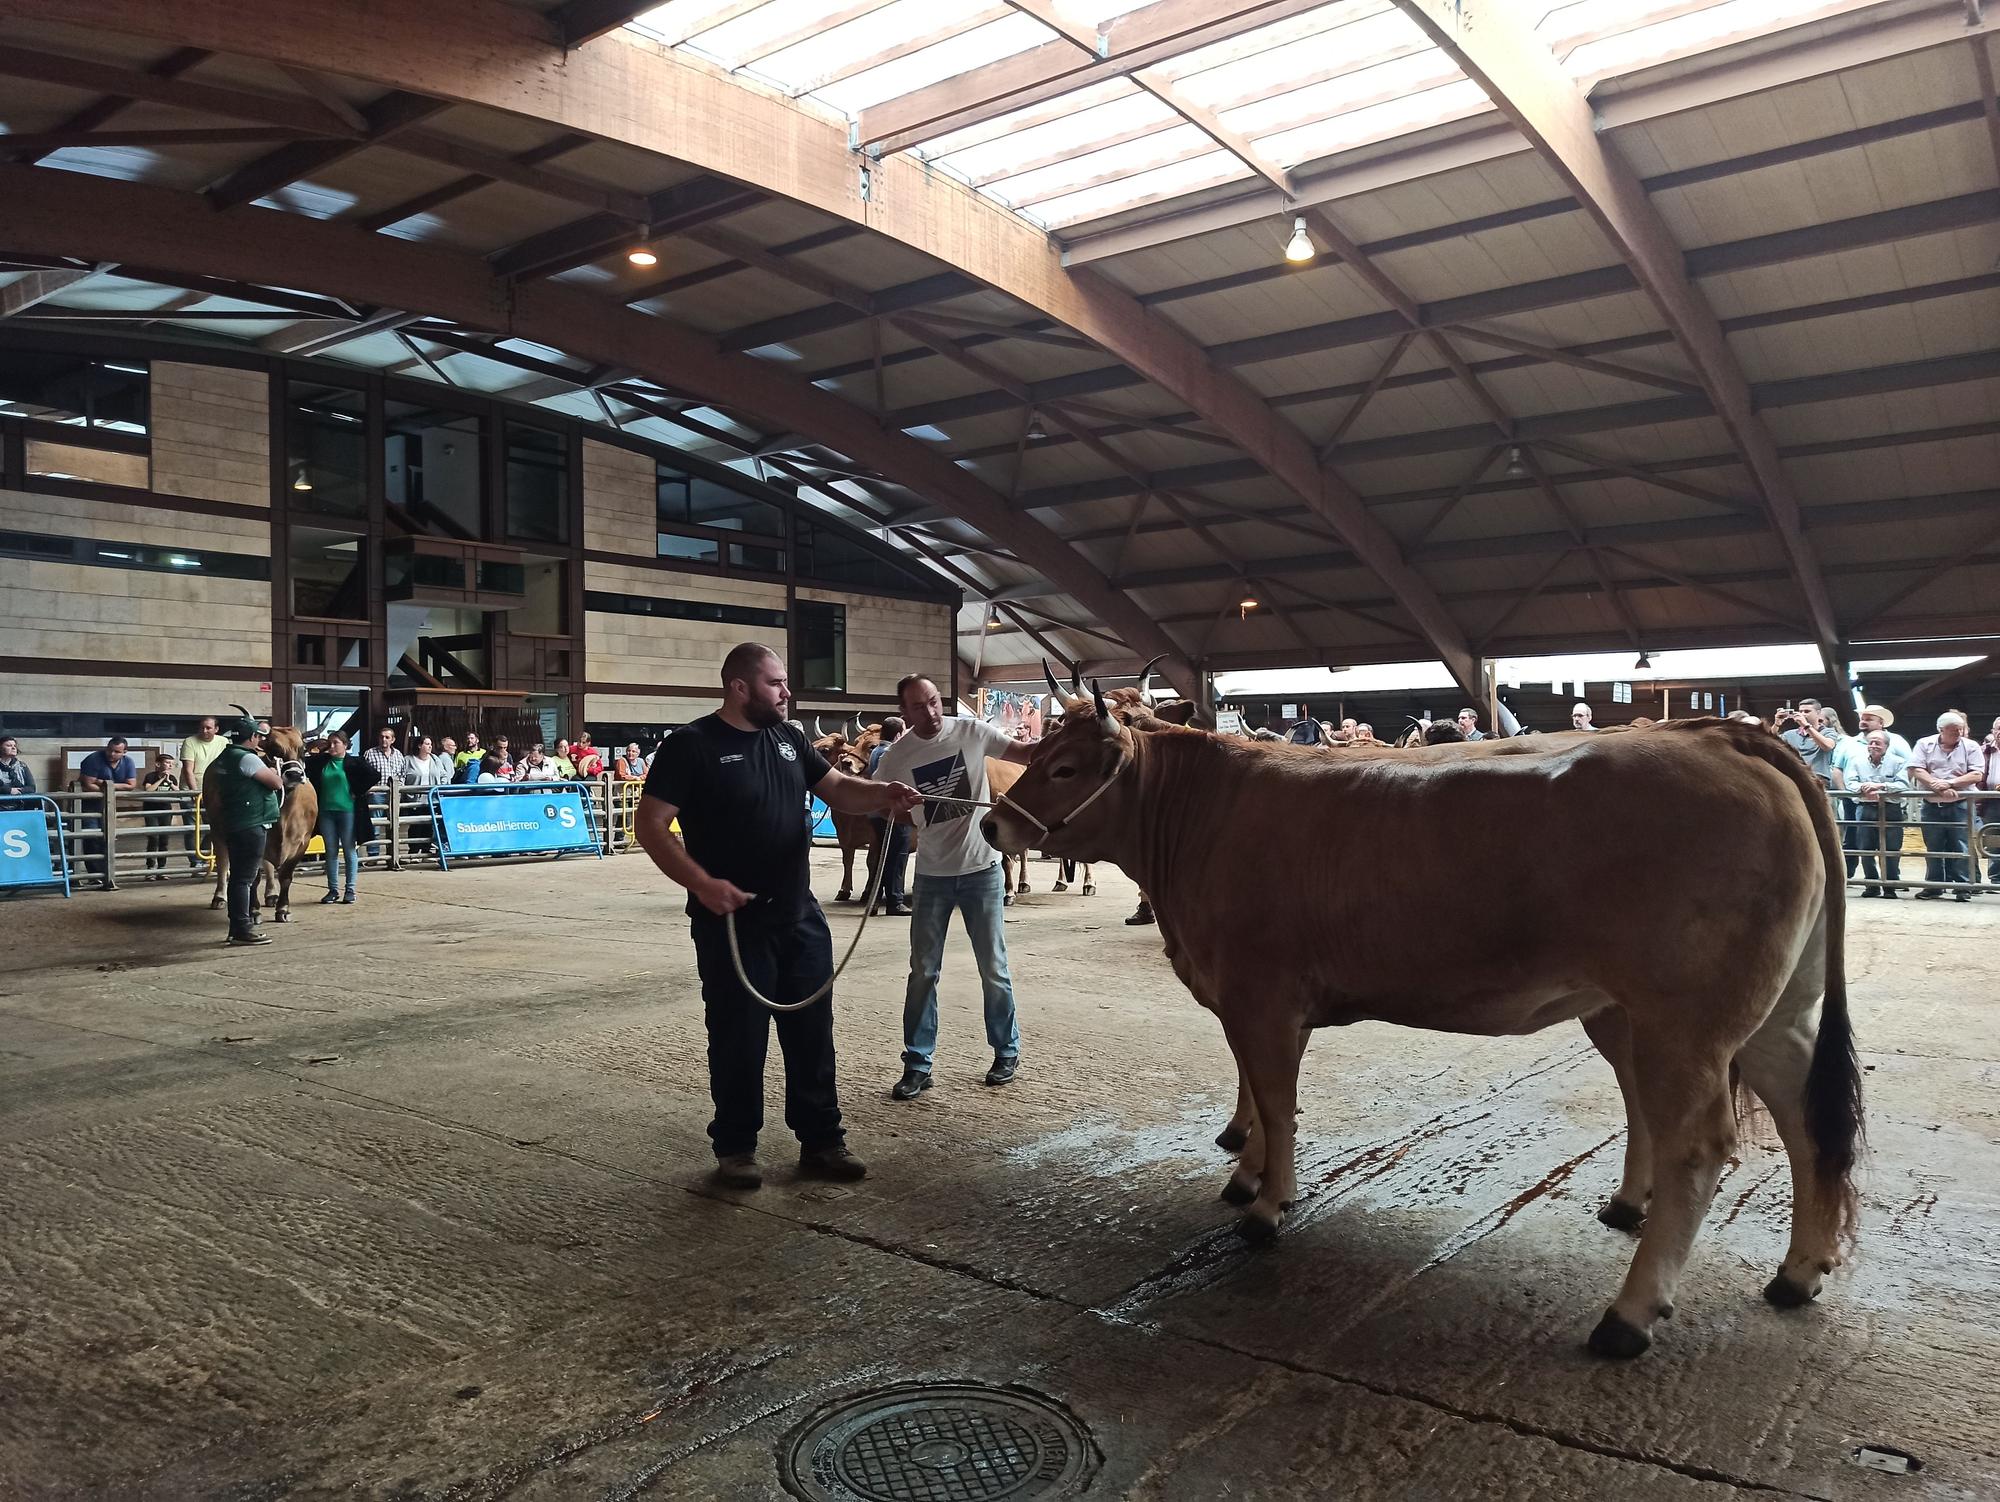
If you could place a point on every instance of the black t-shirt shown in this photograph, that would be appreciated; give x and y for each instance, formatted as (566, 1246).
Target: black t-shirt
(742, 801)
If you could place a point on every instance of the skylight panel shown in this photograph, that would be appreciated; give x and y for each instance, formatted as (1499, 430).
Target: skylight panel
(1028, 117)
(749, 36)
(1303, 34)
(1682, 36)
(1342, 50)
(990, 43)
(843, 50)
(1165, 148)
(1074, 132)
(1453, 101)
(1406, 76)
(1165, 182)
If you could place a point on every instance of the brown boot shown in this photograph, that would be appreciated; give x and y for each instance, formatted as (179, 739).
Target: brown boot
(738, 1171)
(834, 1162)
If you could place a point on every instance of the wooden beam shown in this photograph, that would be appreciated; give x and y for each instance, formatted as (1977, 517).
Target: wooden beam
(394, 112)
(1520, 75)
(1581, 362)
(458, 188)
(33, 145)
(306, 116)
(101, 112)
(36, 287)
(1966, 672)
(581, 21)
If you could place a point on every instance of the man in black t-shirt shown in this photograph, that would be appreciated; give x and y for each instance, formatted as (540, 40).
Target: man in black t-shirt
(737, 780)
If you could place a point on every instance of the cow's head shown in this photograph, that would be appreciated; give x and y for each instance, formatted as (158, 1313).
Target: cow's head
(285, 742)
(1071, 777)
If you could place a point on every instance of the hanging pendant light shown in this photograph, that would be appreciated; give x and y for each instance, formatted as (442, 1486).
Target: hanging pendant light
(1517, 468)
(1300, 247)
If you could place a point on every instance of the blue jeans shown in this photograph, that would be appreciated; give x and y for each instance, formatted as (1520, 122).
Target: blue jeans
(1945, 828)
(336, 832)
(979, 897)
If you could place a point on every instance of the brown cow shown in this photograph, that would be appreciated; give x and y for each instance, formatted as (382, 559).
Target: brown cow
(285, 845)
(1704, 958)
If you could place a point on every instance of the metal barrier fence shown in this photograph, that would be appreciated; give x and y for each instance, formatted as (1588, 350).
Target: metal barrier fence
(1912, 841)
(1956, 840)
(121, 837)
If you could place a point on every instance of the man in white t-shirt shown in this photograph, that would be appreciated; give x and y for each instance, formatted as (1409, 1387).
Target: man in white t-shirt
(956, 868)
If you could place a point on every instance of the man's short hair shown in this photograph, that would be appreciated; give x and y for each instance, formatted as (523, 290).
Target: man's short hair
(1809, 704)
(116, 740)
(1951, 717)
(903, 683)
(892, 727)
(1468, 710)
(1575, 707)
(743, 660)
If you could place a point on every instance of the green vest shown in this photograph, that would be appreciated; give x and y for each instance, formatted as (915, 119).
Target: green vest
(246, 802)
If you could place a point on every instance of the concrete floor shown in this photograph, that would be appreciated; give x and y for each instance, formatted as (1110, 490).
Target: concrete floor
(411, 1204)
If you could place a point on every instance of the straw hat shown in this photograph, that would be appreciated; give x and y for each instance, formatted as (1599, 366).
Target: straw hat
(1881, 712)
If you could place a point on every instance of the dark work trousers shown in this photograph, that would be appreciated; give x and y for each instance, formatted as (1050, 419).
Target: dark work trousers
(246, 859)
(898, 855)
(1869, 836)
(785, 959)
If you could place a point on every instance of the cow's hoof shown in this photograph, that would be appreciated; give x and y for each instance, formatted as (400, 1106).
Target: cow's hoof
(215, 906)
(1232, 1137)
(1622, 1215)
(1618, 1338)
(1237, 1192)
(282, 917)
(1089, 889)
(1256, 1230)
(1061, 886)
(1783, 1293)
(1022, 890)
(843, 896)
(1008, 900)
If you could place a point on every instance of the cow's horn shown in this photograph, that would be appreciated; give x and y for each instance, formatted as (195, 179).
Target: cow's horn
(1076, 678)
(1146, 677)
(1049, 673)
(1097, 693)
(242, 711)
(818, 734)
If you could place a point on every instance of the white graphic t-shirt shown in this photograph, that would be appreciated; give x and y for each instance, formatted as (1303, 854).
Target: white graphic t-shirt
(951, 763)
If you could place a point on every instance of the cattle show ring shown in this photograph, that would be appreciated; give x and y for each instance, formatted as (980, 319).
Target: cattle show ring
(1000, 750)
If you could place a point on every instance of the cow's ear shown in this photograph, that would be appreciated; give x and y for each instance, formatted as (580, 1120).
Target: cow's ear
(1181, 713)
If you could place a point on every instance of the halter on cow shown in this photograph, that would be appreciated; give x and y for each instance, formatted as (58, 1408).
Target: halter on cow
(1704, 958)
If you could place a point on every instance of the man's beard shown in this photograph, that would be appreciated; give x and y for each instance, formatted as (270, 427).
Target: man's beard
(763, 716)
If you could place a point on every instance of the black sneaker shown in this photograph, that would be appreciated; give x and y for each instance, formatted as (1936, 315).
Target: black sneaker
(1002, 1072)
(834, 1162)
(1930, 894)
(244, 940)
(738, 1171)
(913, 1083)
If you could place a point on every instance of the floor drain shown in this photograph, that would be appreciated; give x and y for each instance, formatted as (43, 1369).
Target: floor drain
(939, 1442)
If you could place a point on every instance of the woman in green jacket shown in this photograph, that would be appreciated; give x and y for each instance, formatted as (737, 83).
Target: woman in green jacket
(342, 782)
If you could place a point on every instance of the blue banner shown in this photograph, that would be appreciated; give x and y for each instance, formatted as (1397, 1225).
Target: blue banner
(530, 818)
(27, 856)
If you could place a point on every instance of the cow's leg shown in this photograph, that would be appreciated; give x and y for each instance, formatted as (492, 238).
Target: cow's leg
(1774, 1064)
(1237, 1131)
(1683, 1090)
(283, 912)
(846, 892)
(220, 898)
(1089, 885)
(1626, 1209)
(1268, 1051)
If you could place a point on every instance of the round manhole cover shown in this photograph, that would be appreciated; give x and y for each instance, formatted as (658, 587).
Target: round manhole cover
(939, 1442)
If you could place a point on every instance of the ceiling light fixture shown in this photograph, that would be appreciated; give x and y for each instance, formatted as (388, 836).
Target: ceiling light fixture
(642, 257)
(302, 483)
(1517, 468)
(1244, 606)
(1645, 661)
(1300, 247)
(1035, 428)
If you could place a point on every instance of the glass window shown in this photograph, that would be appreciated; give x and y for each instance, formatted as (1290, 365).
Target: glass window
(98, 553)
(693, 549)
(326, 447)
(832, 557)
(822, 645)
(749, 555)
(434, 467)
(694, 500)
(502, 578)
(682, 610)
(537, 483)
(73, 390)
(422, 570)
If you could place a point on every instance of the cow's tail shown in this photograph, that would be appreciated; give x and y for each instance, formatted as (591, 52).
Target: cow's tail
(1833, 1106)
